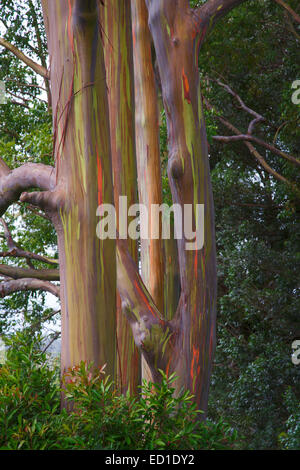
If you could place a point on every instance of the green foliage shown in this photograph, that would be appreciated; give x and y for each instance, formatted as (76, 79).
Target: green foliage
(102, 418)
(29, 397)
(258, 242)
(290, 438)
(25, 136)
(105, 419)
(254, 51)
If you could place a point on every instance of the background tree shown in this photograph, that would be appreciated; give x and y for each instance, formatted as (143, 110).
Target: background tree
(257, 218)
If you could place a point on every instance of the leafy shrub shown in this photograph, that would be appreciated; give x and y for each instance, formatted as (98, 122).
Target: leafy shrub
(290, 439)
(105, 419)
(29, 397)
(101, 417)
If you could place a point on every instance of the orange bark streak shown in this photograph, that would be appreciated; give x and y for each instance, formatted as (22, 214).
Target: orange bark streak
(186, 87)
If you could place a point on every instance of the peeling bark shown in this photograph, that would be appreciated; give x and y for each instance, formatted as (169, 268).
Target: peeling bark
(183, 341)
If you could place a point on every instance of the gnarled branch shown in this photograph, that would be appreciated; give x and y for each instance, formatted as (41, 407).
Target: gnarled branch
(27, 176)
(248, 136)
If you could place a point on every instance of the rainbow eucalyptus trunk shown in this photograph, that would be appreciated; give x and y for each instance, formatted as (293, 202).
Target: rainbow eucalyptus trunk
(176, 42)
(83, 176)
(148, 150)
(184, 343)
(117, 40)
(148, 154)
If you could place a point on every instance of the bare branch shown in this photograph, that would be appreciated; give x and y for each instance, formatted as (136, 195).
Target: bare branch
(257, 117)
(24, 85)
(262, 143)
(48, 317)
(248, 136)
(295, 16)
(35, 210)
(18, 253)
(15, 251)
(55, 337)
(27, 284)
(208, 14)
(39, 69)
(15, 272)
(7, 234)
(252, 149)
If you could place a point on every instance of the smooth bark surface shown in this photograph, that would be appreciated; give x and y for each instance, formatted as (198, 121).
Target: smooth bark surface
(148, 154)
(117, 40)
(177, 41)
(83, 181)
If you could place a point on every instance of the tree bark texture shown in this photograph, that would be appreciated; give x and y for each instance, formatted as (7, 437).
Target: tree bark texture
(115, 19)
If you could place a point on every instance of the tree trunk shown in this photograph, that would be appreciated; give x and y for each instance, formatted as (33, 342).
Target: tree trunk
(148, 154)
(117, 40)
(83, 181)
(176, 44)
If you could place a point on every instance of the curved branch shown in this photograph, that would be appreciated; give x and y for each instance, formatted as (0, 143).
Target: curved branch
(27, 176)
(39, 69)
(27, 284)
(208, 14)
(262, 143)
(15, 272)
(257, 117)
